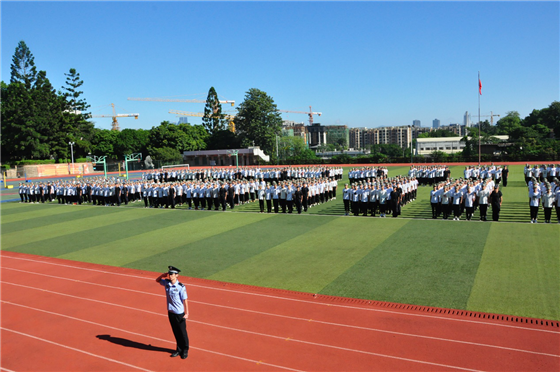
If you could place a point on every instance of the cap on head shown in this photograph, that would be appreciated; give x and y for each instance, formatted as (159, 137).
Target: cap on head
(173, 270)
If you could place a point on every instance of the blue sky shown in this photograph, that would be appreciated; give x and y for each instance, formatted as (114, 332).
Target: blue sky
(363, 64)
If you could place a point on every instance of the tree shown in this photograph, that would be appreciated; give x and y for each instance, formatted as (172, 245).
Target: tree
(258, 120)
(223, 139)
(46, 120)
(23, 68)
(213, 119)
(75, 118)
(437, 133)
(394, 151)
(292, 148)
(509, 123)
(104, 143)
(131, 141)
(166, 154)
(181, 137)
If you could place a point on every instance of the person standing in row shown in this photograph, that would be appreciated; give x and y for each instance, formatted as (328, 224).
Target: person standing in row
(261, 196)
(548, 199)
(534, 201)
(483, 197)
(177, 309)
(346, 196)
(496, 202)
(505, 173)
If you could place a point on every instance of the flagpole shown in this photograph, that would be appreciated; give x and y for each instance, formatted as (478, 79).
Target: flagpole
(479, 133)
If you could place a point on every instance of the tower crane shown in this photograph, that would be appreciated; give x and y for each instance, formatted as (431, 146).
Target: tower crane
(115, 123)
(231, 124)
(310, 114)
(491, 116)
(176, 100)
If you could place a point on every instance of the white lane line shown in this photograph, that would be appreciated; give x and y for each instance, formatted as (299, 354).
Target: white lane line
(74, 349)
(310, 320)
(258, 333)
(147, 336)
(303, 301)
(6, 369)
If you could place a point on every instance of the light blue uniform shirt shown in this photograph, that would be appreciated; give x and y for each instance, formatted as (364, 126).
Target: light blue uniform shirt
(176, 294)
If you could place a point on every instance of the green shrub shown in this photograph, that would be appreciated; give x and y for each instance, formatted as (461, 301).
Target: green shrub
(34, 162)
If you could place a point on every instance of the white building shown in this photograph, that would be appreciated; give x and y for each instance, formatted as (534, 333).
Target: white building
(448, 145)
(221, 158)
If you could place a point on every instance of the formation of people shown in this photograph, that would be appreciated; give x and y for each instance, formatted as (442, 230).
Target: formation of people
(543, 172)
(453, 198)
(204, 194)
(381, 195)
(274, 174)
(546, 194)
(288, 189)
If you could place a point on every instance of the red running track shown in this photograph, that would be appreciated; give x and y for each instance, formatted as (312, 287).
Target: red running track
(60, 315)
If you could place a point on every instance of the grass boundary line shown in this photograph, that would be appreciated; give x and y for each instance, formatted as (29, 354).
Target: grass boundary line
(215, 284)
(385, 304)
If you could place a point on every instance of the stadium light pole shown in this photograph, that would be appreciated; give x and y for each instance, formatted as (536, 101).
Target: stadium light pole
(72, 152)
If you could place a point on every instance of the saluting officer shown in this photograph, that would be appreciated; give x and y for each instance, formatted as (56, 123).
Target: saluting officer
(177, 309)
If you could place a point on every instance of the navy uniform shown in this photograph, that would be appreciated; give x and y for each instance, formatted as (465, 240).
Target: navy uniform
(177, 309)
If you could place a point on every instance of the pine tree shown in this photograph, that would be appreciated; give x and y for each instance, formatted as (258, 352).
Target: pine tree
(23, 68)
(74, 115)
(213, 119)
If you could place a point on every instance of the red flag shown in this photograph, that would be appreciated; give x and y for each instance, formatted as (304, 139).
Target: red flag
(479, 87)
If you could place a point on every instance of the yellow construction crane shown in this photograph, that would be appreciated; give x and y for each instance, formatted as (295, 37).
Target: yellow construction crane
(115, 123)
(310, 114)
(231, 124)
(176, 100)
(491, 116)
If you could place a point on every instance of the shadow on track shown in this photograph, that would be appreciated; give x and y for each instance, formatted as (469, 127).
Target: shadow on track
(137, 345)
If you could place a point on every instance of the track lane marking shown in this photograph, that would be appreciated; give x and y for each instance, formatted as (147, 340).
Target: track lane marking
(74, 349)
(257, 333)
(147, 336)
(308, 320)
(277, 337)
(298, 300)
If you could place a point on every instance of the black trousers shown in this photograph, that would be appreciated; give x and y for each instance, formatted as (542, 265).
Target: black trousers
(495, 213)
(534, 212)
(179, 327)
(483, 211)
(547, 213)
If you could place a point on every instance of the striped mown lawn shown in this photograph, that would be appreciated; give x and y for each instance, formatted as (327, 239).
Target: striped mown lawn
(507, 268)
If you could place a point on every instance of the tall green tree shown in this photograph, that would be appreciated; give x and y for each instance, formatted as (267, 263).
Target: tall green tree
(75, 123)
(46, 120)
(213, 119)
(19, 136)
(23, 68)
(258, 120)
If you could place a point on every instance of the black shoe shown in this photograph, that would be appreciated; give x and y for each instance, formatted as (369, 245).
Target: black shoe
(176, 354)
(184, 355)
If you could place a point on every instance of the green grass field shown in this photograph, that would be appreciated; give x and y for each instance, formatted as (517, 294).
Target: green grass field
(510, 267)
